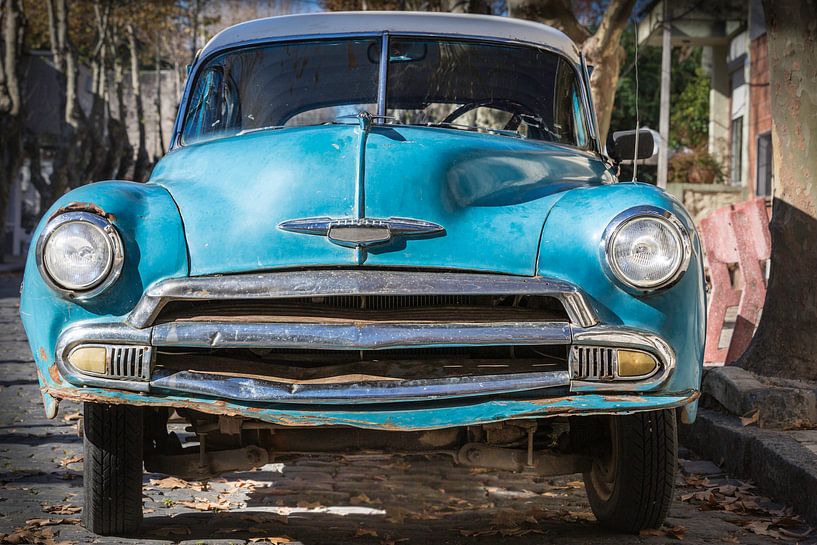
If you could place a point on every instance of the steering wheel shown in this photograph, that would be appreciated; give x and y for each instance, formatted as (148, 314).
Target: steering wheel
(514, 108)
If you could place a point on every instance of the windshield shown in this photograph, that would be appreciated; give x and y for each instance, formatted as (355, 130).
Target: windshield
(460, 85)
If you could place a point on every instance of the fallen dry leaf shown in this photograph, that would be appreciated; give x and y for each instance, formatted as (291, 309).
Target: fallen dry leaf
(60, 509)
(365, 532)
(249, 484)
(274, 540)
(38, 523)
(266, 518)
(173, 483)
(72, 417)
(363, 499)
(38, 532)
(40, 536)
(750, 418)
(70, 460)
(203, 504)
(676, 532)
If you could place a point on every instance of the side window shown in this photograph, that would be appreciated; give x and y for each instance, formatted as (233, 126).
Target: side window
(215, 107)
(580, 121)
(569, 121)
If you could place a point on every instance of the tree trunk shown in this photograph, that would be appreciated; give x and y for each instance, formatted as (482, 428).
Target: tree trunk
(11, 151)
(556, 13)
(605, 53)
(69, 157)
(157, 62)
(97, 146)
(786, 340)
(140, 167)
(117, 125)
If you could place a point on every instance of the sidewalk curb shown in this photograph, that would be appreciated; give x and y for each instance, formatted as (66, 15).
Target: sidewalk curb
(779, 465)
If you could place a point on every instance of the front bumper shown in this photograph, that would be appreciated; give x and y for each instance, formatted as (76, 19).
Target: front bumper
(255, 394)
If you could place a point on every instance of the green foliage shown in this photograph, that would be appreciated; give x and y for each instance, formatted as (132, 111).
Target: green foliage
(689, 117)
(689, 93)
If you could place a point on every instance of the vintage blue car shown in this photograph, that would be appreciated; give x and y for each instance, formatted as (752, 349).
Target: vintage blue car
(380, 232)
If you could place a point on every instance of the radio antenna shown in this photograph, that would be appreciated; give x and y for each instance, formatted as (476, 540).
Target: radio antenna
(637, 119)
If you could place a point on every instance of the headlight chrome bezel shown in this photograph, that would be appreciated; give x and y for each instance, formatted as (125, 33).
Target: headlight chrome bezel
(114, 268)
(630, 215)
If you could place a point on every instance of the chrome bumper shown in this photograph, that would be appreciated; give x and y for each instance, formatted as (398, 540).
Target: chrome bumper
(582, 329)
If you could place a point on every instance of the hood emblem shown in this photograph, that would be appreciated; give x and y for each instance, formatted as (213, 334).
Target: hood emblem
(361, 232)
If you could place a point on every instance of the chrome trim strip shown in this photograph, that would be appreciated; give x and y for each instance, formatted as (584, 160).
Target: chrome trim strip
(113, 269)
(382, 76)
(393, 227)
(255, 390)
(96, 334)
(623, 337)
(328, 336)
(370, 336)
(590, 108)
(355, 282)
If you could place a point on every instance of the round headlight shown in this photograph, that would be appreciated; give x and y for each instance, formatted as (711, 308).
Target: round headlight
(80, 253)
(647, 249)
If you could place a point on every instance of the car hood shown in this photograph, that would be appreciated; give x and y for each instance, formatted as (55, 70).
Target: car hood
(491, 194)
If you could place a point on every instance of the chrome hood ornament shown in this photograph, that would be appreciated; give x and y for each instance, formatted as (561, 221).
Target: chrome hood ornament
(361, 232)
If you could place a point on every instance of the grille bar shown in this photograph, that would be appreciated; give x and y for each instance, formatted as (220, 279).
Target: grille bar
(593, 363)
(129, 362)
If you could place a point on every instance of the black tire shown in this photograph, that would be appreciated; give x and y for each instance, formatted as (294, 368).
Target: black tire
(631, 488)
(113, 468)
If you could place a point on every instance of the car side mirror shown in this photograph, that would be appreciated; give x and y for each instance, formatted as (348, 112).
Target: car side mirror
(621, 146)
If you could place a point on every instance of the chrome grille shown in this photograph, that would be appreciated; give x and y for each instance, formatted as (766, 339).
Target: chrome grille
(434, 307)
(394, 302)
(593, 363)
(129, 362)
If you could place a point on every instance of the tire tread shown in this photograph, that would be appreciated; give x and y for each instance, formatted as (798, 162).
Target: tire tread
(645, 482)
(113, 468)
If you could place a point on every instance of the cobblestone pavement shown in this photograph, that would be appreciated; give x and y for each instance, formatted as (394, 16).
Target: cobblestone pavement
(317, 500)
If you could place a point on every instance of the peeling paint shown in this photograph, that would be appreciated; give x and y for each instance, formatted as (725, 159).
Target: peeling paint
(406, 417)
(84, 207)
(54, 373)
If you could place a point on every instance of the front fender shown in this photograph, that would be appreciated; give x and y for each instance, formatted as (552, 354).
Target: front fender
(154, 246)
(571, 249)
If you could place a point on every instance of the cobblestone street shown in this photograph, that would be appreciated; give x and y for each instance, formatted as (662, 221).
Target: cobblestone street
(383, 500)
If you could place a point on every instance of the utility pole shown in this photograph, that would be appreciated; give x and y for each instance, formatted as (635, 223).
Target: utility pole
(663, 118)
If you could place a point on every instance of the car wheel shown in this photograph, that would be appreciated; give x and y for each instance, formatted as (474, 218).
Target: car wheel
(631, 486)
(113, 468)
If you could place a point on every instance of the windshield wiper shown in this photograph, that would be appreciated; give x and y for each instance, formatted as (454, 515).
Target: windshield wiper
(258, 129)
(353, 119)
(473, 128)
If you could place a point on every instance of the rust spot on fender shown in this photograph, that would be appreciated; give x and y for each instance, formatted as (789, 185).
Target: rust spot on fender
(548, 401)
(84, 207)
(54, 373)
(42, 354)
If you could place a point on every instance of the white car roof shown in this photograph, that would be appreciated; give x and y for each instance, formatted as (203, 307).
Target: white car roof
(394, 22)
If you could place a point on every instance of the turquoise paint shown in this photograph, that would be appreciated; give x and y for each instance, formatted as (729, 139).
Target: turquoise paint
(410, 416)
(481, 188)
(571, 249)
(508, 205)
(151, 230)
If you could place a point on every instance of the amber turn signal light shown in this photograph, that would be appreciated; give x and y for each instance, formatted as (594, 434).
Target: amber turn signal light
(632, 363)
(92, 359)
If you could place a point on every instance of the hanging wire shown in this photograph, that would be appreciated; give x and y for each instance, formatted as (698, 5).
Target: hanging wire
(637, 118)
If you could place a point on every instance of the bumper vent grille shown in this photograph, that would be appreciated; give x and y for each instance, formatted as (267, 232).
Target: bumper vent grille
(129, 362)
(593, 363)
